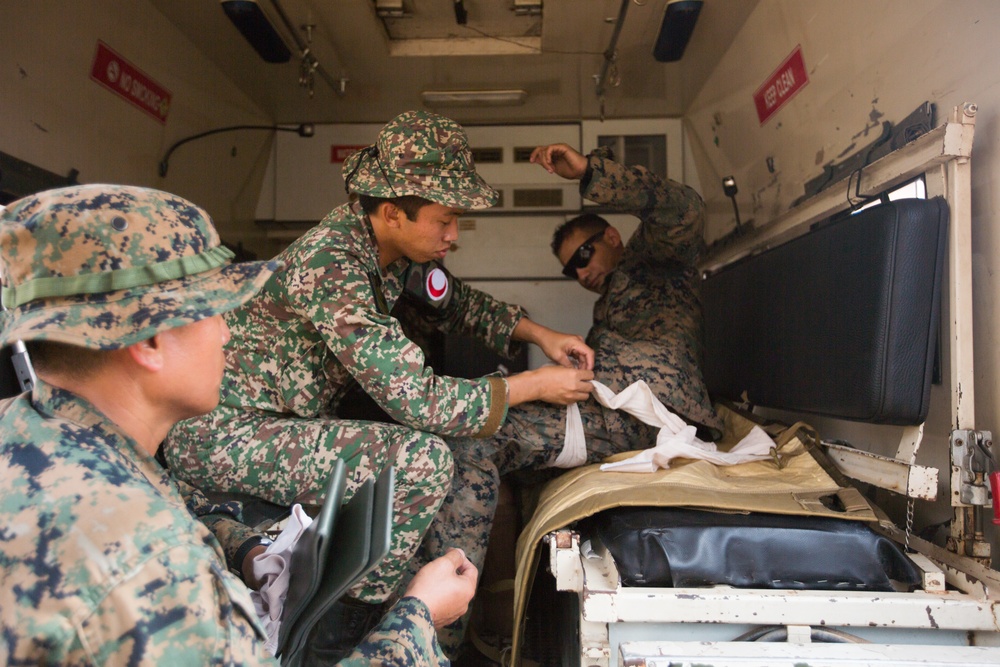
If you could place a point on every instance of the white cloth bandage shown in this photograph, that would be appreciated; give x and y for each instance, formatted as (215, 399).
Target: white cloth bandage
(675, 439)
(272, 569)
(574, 451)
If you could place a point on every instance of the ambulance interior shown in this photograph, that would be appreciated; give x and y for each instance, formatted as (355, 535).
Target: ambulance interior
(787, 116)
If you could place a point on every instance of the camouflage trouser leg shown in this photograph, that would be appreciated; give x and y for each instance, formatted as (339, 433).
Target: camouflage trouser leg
(465, 521)
(288, 460)
(530, 439)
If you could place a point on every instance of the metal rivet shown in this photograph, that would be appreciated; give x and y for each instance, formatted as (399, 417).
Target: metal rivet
(119, 223)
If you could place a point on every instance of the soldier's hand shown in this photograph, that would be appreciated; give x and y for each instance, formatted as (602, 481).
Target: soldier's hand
(249, 576)
(560, 159)
(568, 350)
(446, 585)
(552, 384)
(563, 348)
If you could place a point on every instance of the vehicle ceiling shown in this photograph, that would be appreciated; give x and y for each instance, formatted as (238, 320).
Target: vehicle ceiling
(357, 41)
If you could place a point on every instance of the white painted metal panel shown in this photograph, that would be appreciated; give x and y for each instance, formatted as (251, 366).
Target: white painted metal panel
(749, 654)
(306, 181)
(491, 247)
(512, 177)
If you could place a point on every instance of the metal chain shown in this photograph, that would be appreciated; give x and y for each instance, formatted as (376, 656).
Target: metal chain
(910, 501)
(909, 522)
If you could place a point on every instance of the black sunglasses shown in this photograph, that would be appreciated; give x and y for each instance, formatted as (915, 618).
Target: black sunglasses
(581, 258)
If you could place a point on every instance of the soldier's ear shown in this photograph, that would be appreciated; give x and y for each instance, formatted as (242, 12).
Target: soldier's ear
(391, 213)
(148, 353)
(612, 236)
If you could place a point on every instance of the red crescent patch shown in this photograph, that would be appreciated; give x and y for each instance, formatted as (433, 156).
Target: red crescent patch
(437, 284)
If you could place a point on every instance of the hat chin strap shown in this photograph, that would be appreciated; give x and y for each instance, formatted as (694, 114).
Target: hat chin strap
(370, 152)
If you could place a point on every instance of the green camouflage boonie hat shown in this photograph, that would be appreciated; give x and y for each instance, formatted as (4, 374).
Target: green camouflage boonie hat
(106, 266)
(423, 154)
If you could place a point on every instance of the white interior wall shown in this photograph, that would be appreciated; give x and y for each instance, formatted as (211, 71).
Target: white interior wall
(57, 118)
(866, 62)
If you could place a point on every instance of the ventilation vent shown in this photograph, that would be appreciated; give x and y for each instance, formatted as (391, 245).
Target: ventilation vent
(538, 197)
(487, 155)
(523, 154)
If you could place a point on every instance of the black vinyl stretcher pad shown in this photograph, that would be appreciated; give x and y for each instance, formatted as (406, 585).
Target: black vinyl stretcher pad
(841, 321)
(673, 547)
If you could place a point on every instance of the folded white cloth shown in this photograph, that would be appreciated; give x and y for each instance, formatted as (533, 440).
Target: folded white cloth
(675, 437)
(754, 447)
(272, 569)
(574, 451)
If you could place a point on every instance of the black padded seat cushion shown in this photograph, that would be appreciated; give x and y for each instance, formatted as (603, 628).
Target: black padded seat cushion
(677, 547)
(841, 321)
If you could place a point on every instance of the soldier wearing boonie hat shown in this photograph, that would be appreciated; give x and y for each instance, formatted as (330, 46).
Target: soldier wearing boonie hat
(102, 560)
(420, 154)
(95, 277)
(106, 266)
(323, 324)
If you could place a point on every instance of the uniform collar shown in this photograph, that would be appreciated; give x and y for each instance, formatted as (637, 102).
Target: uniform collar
(61, 404)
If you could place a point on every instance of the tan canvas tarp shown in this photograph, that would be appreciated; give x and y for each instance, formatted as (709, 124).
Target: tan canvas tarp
(791, 483)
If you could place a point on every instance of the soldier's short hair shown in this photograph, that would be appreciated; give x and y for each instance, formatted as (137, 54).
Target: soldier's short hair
(591, 223)
(409, 204)
(72, 361)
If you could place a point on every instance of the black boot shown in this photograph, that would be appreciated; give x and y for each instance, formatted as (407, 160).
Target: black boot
(338, 631)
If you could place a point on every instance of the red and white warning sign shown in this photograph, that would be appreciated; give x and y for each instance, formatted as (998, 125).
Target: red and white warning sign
(340, 152)
(781, 86)
(129, 82)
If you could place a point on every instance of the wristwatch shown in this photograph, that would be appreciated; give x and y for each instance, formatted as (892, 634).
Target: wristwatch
(245, 548)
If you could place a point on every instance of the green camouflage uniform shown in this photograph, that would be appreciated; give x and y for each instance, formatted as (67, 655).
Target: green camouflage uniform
(647, 326)
(101, 559)
(103, 564)
(320, 325)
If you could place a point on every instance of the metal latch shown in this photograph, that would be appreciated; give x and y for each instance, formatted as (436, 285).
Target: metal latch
(972, 461)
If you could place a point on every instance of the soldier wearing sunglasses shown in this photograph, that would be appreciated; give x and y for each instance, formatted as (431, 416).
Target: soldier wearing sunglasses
(647, 326)
(647, 322)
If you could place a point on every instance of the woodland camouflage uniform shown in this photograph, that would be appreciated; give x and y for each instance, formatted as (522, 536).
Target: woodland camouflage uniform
(647, 326)
(322, 324)
(101, 561)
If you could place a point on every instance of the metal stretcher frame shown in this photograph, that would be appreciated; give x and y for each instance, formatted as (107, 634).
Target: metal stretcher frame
(614, 619)
(953, 619)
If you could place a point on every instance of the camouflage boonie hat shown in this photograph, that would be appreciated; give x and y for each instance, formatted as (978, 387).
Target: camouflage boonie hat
(106, 266)
(423, 154)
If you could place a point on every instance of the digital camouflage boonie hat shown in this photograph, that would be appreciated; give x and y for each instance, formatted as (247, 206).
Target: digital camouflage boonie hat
(106, 266)
(423, 154)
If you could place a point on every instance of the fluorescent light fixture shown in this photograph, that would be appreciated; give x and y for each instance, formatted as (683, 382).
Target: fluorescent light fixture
(460, 98)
